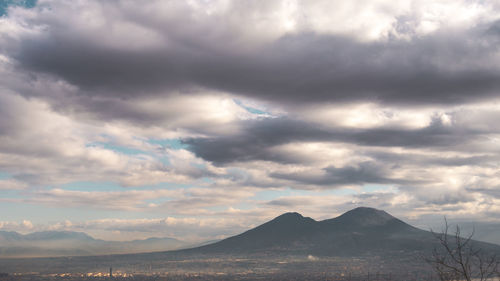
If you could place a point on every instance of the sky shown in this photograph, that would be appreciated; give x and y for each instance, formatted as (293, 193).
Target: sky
(200, 119)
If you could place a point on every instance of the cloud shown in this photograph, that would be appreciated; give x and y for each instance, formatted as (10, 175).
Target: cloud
(23, 226)
(258, 137)
(10, 184)
(199, 228)
(42, 146)
(230, 109)
(189, 228)
(108, 200)
(175, 200)
(365, 172)
(414, 59)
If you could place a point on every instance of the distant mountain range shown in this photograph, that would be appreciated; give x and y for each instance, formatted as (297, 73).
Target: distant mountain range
(361, 231)
(67, 243)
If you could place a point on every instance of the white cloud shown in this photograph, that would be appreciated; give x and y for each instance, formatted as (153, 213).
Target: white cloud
(10, 184)
(23, 226)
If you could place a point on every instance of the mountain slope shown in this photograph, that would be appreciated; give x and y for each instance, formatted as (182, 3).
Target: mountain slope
(269, 235)
(359, 231)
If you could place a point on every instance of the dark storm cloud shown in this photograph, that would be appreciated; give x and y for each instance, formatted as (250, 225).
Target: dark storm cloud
(365, 172)
(259, 136)
(255, 140)
(312, 68)
(302, 67)
(100, 70)
(494, 29)
(416, 159)
(493, 191)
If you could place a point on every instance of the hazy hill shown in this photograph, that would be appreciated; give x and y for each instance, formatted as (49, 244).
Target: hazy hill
(359, 231)
(67, 243)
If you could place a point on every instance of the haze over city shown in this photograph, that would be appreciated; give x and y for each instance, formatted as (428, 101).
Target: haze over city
(198, 120)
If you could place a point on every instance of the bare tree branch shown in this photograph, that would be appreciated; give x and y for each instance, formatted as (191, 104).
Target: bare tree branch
(457, 258)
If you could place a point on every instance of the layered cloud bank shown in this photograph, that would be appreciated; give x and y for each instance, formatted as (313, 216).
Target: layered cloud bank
(222, 114)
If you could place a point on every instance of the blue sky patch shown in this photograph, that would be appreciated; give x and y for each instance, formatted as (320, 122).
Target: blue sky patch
(4, 176)
(250, 109)
(117, 148)
(375, 188)
(175, 144)
(5, 4)
(271, 194)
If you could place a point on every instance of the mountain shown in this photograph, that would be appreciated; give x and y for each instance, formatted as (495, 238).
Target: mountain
(282, 231)
(359, 231)
(68, 243)
(57, 235)
(363, 239)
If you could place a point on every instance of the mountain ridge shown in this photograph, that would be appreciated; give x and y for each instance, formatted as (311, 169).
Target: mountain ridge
(358, 231)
